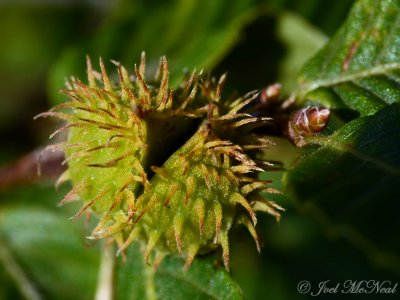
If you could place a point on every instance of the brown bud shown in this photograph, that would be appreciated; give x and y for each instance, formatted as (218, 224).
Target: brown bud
(270, 94)
(307, 121)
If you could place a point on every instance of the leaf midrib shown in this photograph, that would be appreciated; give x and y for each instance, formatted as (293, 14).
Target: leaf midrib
(342, 78)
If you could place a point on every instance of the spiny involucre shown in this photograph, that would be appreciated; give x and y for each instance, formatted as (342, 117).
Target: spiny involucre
(173, 169)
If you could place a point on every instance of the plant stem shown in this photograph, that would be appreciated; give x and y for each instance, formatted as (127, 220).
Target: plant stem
(16, 272)
(149, 277)
(25, 170)
(106, 275)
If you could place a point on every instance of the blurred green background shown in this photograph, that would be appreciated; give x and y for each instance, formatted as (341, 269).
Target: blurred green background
(258, 42)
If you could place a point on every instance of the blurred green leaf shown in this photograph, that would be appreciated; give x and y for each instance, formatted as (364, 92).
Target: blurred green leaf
(350, 180)
(50, 249)
(31, 37)
(203, 280)
(359, 68)
(192, 33)
(302, 41)
(325, 15)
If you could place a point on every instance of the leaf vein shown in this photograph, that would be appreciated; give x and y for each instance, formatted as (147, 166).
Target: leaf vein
(370, 91)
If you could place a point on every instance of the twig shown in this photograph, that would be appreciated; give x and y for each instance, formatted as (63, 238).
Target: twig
(24, 171)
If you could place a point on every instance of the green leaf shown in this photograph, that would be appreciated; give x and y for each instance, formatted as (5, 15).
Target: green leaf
(49, 250)
(360, 66)
(203, 280)
(350, 180)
